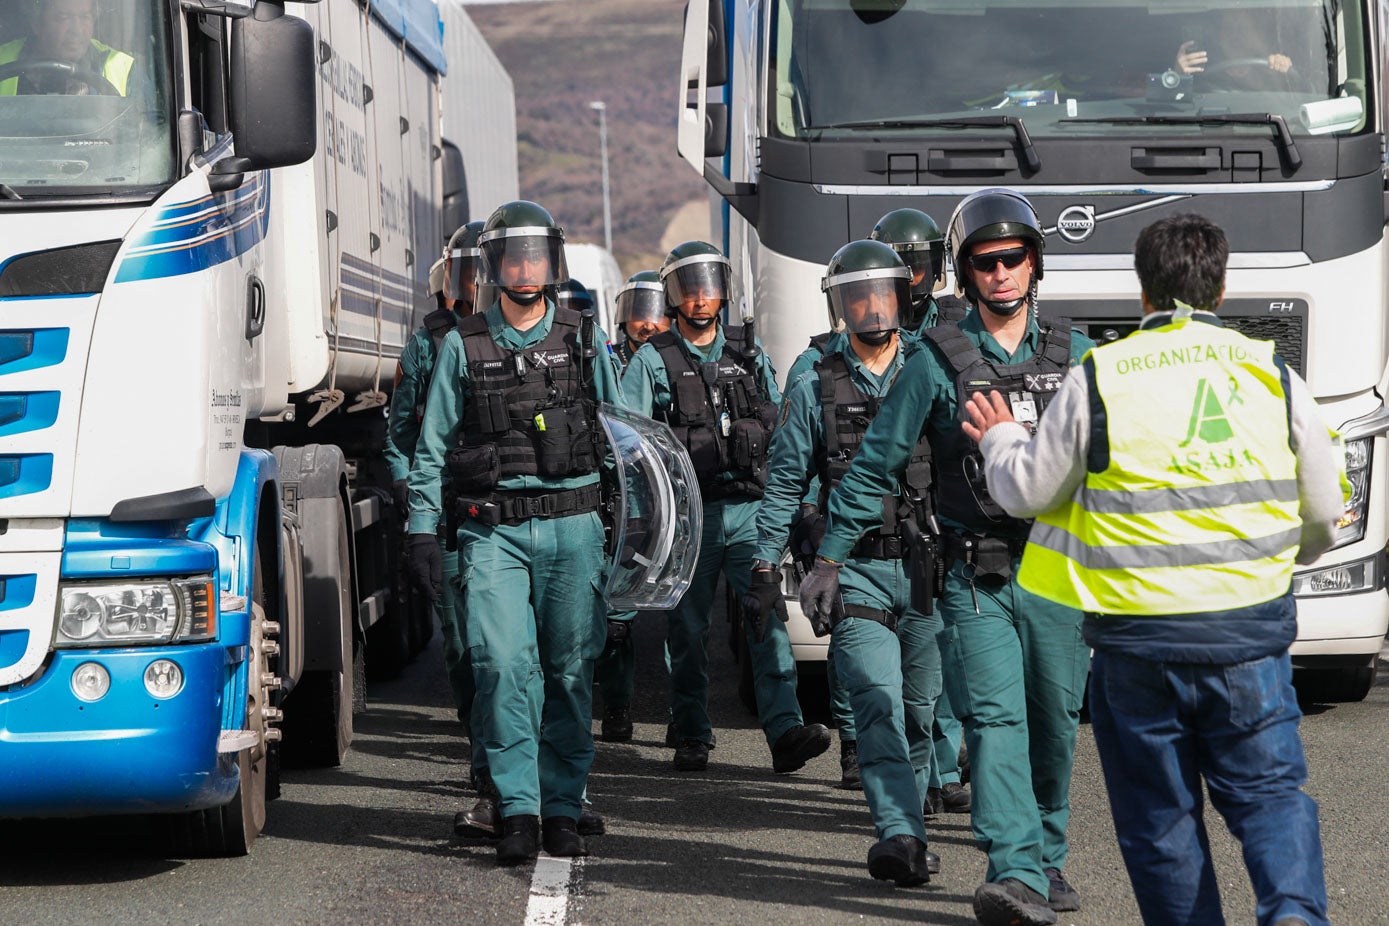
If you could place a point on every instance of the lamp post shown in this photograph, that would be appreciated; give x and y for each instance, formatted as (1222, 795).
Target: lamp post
(602, 109)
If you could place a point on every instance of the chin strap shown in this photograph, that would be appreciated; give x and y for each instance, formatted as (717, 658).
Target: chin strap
(699, 324)
(524, 299)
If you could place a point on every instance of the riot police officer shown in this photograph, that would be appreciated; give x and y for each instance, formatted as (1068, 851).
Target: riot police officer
(511, 414)
(641, 312)
(1014, 664)
(919, 243)
(885, 651)
(715, 387)
(456, 284)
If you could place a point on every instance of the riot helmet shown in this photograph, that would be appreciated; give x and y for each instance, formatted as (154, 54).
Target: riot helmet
(641, 306)
(575, 295)
(462, 256)
(438, 274)
(695, 275)
(993, 215)
(867, 287)
(522, 252)
(917, 239)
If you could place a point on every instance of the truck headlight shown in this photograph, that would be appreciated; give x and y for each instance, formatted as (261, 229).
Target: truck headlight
(131, 613)
(1351, 527)
(1363, 575)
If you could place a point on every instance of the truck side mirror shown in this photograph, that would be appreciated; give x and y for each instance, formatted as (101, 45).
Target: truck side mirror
(715, 130)
(455, 189)
(272, 95)
(716, 67)
(228, 174)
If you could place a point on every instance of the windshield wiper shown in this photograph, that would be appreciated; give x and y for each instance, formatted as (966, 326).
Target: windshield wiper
(1280, 126)
(1029, 153)
(8, 192)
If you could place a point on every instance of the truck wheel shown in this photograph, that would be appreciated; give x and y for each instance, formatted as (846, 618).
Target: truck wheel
(1335, 686)
(318, 713)
(231, 829)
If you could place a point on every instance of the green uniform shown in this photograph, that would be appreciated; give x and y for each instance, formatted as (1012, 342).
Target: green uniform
(1014, 664)
(616, 668)
(416, 366)
(727, 541)
(534, 607)
(891, 679)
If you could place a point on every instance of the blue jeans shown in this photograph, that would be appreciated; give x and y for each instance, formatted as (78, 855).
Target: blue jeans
(1160, 728)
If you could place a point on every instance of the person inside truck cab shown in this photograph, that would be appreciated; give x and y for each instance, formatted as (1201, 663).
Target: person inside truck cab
(61, 54)
(1244, 53)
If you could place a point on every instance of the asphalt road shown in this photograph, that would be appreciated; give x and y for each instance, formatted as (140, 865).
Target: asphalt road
(370, 842)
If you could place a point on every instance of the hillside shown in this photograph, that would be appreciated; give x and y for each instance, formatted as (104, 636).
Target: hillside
(561, 56)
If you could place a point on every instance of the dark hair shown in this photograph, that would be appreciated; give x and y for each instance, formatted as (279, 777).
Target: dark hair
(1182, 257)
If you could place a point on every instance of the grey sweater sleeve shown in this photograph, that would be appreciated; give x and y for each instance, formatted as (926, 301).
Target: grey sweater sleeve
(1318, 474)
(1031, 476)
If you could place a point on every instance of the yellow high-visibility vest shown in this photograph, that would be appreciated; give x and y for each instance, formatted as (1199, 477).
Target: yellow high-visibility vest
(115, 67)
(1195, 505)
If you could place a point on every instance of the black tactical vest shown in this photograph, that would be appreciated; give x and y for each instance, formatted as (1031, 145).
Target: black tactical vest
(717, 410)
(847, 412)
(951, 310)
(1028, 388)
(530, 413)
(438, 323)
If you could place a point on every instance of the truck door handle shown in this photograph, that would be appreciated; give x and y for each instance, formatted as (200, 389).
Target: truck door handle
(255, 308)
(1175, 159)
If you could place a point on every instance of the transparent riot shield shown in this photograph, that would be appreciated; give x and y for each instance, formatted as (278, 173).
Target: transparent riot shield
(657, 522)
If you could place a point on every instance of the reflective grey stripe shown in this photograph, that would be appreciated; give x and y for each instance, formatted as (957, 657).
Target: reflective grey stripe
(1119, 501)
(1154, 556)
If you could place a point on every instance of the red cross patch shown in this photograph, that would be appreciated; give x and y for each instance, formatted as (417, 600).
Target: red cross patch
(472, 511)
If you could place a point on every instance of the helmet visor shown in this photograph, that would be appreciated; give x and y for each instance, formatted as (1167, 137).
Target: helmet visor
(927, 264)
(640, 302)
(864, 305)
(461, 284)
(698, 281)
(519, 257)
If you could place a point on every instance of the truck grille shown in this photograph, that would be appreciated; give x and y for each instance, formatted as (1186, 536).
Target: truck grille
(1286, 332)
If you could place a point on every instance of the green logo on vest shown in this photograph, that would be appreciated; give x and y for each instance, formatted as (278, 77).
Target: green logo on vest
(1208, 420)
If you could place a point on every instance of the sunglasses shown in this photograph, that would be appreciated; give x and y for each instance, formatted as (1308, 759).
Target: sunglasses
(1010, 258)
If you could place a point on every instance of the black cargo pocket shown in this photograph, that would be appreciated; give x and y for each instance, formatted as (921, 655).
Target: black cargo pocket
(473, 469)
(747, 445)
(554, 443)
(993, 561)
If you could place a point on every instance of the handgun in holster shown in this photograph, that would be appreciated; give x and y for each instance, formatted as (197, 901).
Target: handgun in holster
(922, 565)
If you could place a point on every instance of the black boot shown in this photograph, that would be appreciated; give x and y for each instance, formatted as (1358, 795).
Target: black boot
(591, 823)
(901, 860)
(691, 756)
(850, 779)
(561, 837)
(617, 725)
(485, 817)
(954, 798)
(1011, 903)
(799, 745)
(520, 839)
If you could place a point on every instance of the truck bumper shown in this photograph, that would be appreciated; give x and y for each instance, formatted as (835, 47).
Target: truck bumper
(1341, 625)
(126, 752)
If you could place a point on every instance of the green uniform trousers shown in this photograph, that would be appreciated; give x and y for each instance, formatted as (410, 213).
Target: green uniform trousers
(457, 665)
(946, 734)
(841, 712)
(893, 680)
(535, 621)
(727, 543)
(617, 667)
(1015, 668)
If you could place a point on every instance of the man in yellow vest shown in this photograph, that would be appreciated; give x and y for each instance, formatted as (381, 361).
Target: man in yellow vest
(1179, 475)
(62, 56)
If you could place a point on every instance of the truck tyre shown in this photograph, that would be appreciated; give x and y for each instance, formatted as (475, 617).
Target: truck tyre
(318, 713)
(1335, 686)
(231, 829)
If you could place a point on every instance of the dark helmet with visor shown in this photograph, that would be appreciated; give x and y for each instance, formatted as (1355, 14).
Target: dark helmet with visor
(575, 295)
(462, 255)
(991, 215)
(641, 298)
(918, 240)
(693, 269)
(521, 245)
(868, 288)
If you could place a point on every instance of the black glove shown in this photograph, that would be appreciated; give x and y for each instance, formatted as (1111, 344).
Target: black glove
(806, 534)
(426, 564)
(763, 597)
(820, 600)
(400, 494)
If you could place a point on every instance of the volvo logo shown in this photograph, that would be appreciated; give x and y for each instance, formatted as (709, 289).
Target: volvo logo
(1076, 223)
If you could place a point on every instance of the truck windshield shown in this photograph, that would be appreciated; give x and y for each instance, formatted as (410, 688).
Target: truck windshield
(84, 98)
(840, 68)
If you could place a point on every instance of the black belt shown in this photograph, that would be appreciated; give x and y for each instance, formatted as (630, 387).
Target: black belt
(964, 546)
(887, 618)
(738, 489)
(878, 546)
(516, 507)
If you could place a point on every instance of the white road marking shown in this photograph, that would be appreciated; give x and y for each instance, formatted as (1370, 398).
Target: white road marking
(550, 886)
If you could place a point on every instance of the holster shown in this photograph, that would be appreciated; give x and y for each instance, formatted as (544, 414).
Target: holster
(921, 563)
(991, 558)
